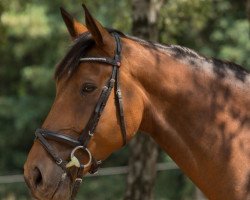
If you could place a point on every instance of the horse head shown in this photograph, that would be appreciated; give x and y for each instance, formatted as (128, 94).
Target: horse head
(97, 109)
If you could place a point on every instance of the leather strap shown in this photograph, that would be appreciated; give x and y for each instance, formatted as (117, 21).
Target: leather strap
(51, 151)
(77, 182)
(95, 117)
(95, 166)
(58, 137)
(120, 110)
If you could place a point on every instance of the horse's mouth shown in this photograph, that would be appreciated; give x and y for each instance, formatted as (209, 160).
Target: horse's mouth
(56, 194)
(58, 186)
(65, 181)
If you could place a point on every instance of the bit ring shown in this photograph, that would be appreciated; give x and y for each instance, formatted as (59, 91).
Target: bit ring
(83, 148)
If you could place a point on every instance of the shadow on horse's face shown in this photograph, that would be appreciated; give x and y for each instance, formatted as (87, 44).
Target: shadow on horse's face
(49, 171)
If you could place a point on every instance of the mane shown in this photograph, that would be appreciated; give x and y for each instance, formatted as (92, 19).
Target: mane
(78, 49)
(71, 60)
(184, 53)
(84, 42)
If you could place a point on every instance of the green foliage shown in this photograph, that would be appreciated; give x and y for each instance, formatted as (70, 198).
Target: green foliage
(181, 21)
(33, 38)
(234, 41)
(215, 28)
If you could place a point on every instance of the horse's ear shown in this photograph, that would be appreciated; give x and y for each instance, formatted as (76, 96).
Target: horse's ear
(99, 33)
(74, 27)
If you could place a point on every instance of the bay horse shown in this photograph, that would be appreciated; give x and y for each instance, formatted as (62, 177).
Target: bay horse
(109, 86)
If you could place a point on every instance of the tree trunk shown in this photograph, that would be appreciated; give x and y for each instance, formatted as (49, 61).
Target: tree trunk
(145, 14)
(248, 9)
(248, 13)
(142, 168)
(144, 151)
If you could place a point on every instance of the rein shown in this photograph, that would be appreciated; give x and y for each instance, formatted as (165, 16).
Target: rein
(82, 142)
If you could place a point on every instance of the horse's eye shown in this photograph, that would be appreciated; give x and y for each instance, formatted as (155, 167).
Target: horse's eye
(88, 88)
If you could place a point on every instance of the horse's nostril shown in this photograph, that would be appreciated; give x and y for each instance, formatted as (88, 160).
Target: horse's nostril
(38, 179)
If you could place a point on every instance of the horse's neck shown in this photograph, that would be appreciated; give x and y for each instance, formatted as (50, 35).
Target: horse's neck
(195, 115)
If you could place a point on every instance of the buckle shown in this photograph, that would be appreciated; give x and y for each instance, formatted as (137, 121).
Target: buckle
(98, 162)
(59, 161)
(91, 134)
(78, 180)
(119, 93)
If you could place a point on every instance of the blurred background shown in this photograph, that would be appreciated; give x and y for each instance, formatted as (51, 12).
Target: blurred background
(33, 38)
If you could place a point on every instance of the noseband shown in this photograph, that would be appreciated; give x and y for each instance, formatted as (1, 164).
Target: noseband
(82, 142)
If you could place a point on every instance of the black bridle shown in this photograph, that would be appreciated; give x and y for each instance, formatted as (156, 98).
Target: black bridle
(82, 142)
